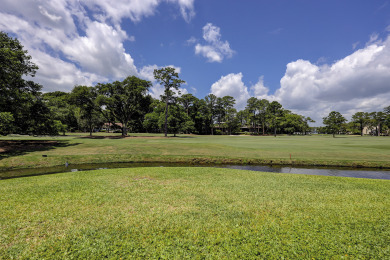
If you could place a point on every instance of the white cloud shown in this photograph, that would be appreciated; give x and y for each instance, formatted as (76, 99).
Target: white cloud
(87, 44)
(134, 9)
(215, 50)
(232, 85)
(358, 82)
(55, 74)
(259, 90)
(186, 8)
(192, 40)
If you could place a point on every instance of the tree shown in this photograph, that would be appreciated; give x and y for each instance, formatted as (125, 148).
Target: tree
(275, 112)
(59, 104)
(242, 117)
(171, 81)
(306, 120)
(292, 123)
(262, 106)
(187, 101)
(6, 123)
(124, 99)
(211, 103)
(252, 108)
(40, 119)
(16, 92)
(377, 121)
(85, 99)
(334, 122)
(362, 119)
(228, 112)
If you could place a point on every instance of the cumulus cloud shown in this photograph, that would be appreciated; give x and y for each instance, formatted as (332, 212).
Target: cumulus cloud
(215, 50)
(232, 85)
(55, 74)
(358, 82)
(83, 38)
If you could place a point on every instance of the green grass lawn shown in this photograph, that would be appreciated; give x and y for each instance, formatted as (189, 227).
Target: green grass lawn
(192, 213)
(304, 150)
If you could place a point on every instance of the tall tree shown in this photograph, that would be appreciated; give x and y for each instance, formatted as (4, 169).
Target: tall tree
(229, 112)
(334, 122)
(275, 112)
(187, 101)
(262, 106)
(211, 103)
(171, 81)
(362, 119)
(252, 108)
(17, 93)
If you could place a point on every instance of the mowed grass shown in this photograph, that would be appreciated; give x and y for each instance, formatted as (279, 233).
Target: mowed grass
(303, 150)
(193, 213)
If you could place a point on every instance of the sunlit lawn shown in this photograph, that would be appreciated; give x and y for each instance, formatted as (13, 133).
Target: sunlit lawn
(309, 150)
(193, 213)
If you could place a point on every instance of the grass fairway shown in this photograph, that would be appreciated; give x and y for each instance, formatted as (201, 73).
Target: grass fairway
(22, 152)
(178, 213)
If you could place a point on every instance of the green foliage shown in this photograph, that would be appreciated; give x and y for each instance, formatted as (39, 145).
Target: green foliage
(40, 121)
(125, 100)
(362, 119)
(6, 123)
(17, 94)
(85, 98)
(275, 114)
(334, 122)
(61, 109)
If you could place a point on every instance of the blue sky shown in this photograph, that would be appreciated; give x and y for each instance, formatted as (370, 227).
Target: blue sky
(312, 56)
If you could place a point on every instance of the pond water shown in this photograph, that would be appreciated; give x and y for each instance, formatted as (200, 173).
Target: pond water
(340, 172)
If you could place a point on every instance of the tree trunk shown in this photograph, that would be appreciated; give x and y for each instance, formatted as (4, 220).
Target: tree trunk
(263, 128)
(361, 129)
(166, 118)
(124, 129)
(274, 128)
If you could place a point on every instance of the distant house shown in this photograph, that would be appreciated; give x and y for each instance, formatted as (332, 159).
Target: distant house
(111, 126)
(373, 131)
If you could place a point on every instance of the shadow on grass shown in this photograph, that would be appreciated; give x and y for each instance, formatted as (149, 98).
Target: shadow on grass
(131, 136)
(9, 148)
(102, 137)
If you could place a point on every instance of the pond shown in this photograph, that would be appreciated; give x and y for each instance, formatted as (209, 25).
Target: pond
(340, 172)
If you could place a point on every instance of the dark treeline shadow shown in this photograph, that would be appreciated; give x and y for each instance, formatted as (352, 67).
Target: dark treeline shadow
(10, 148)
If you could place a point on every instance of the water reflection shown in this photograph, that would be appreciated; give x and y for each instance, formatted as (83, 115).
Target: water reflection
(340, 172)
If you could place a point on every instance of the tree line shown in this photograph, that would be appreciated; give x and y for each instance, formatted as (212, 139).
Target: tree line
(126, 106)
